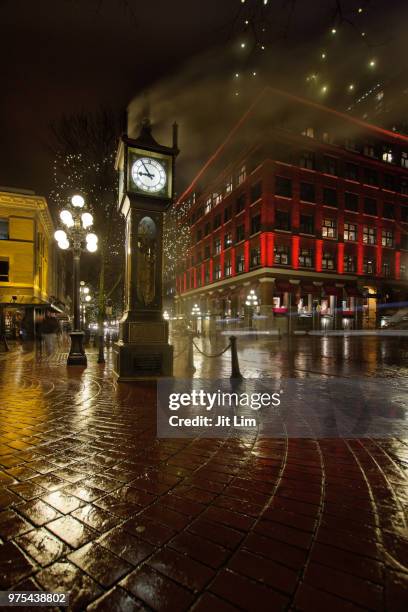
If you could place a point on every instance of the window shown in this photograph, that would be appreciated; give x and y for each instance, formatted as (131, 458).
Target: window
(403, 270)
(387, 238)
(227, 214)
(240, 263)
(282, 254)
(389, 181)
(350, 231)
(283, 186)
(217, 246)
(329, 197)
(227, 268)
(370, 206)
(307, 192)
(350, 264)
(307, 160)
(255, 257)
(208, 205)
(217, 221)
(387, 156)
(199, 235)
(404, 214)
(217, 198)
(369, 235)
(240, 232)
(217, 271)
(386, 269)
(207, 229)
(4, 229)
(241, 174)
(351, 172)
(306, 224)
(227, 240)
(228, 185)
(4, 270)
(369, 265)
(388, 210)
(240, 205)
(256, 191)
(369, 150)
(207, 252)
(326, 137)
(207, 274)
(351, 201)
(328, 261)
(329, 228)
(198, 257)
(256, 224)
(282, 220)
(350, 144)
(198, 277)
(404, 159)
(404, 186)
(370, 176)
(330, 165)
(309, 132)
(306, 258)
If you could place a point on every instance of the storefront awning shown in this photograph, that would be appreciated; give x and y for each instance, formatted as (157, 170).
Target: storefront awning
(354, 292)
(333, 290)
(310, 289)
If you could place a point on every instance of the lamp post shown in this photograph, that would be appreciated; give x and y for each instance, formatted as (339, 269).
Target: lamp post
(85, 299)
(251, 303)
(196, 312)
(76, 238)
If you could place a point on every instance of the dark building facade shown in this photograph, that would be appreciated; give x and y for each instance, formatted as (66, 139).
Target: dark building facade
(307, 209)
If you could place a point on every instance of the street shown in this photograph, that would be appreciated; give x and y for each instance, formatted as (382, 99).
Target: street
(94, 505)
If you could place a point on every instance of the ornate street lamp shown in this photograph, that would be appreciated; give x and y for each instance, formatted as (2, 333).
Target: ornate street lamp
(251, 303)
(76, 238)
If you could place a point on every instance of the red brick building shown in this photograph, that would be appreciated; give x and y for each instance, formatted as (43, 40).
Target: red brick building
(306, 207)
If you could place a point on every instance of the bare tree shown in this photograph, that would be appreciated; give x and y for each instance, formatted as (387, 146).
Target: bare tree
(85, 148)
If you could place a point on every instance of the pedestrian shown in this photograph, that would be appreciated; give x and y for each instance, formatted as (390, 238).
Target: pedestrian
(49, 330)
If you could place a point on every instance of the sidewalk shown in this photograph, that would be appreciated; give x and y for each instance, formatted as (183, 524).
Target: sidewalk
(93, 504)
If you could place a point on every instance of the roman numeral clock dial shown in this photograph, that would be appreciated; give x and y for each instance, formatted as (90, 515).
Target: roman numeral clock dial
(149, 175)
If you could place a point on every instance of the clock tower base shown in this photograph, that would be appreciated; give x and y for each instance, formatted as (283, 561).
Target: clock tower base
(143, 352)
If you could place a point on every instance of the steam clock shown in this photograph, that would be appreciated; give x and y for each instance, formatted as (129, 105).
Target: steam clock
(146, 182)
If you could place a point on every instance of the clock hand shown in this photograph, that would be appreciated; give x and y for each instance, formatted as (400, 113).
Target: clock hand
(145, 174)
(148, 174)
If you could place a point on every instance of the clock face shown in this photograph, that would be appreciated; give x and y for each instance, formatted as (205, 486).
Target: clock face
(149, 175)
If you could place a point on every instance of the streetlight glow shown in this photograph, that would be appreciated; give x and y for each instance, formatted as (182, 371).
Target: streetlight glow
(87, 219)
(60, 236)
(77, 201)
(66, 218)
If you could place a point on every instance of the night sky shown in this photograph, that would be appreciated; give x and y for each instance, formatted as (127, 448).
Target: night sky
(62, 56)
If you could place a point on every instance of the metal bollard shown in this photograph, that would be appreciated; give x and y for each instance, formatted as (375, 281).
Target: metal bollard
(235, 371)
(190, 354)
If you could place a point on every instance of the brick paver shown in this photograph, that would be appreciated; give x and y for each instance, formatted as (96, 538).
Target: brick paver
(92, 503)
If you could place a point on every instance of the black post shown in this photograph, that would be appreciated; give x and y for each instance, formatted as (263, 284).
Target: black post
(190, 354)
(76, 354)
(235, 371)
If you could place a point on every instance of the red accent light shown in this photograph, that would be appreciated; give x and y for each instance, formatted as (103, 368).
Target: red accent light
(340, 258)
(319, 255)
(397, 265)
(263, 250)
(246, 255)
(360, 258)
(295, 252)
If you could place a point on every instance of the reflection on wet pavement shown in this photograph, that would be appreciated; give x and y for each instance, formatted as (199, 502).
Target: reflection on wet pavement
(92, 503)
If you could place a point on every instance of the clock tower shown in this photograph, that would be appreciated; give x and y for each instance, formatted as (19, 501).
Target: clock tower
(146, 185)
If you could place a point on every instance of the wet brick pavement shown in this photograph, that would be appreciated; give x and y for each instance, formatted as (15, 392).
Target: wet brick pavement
(94, 505)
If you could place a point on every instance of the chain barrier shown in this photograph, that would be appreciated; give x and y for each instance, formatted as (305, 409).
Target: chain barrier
(215, 354)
